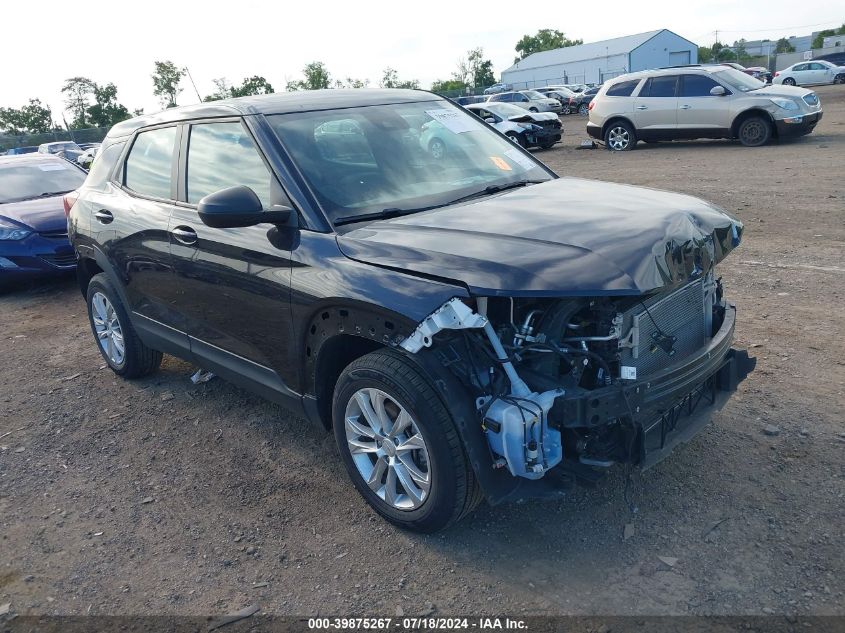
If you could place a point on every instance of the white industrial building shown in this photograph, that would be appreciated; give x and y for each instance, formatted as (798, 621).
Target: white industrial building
(598, 61)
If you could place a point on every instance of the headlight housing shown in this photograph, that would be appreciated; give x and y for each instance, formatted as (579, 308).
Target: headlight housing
(531, 127)
(786, 104)
(9, 231)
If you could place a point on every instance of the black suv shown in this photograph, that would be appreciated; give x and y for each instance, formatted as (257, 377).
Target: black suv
(465, 330)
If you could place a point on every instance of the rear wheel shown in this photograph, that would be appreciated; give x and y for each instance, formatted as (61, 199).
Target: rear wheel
(116, 339)
(789, 81)
(839, 79)
(754, 131)
(584, 109)
(400, 445)
(620, 137)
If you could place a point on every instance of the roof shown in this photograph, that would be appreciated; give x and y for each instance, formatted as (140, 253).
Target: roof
(278, 103)
(593, 50)
(690, 69)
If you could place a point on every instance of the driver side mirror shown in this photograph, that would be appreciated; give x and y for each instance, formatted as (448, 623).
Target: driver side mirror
(718, 91)
(237, 207)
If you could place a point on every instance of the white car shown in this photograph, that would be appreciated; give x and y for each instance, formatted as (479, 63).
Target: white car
(85, 159)
(810, 73)
(528, 129)
(531, 100)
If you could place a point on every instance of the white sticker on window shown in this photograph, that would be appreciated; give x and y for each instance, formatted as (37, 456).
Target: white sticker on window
(51, 167)
(628, 373)
(454, 121)
(519, 158)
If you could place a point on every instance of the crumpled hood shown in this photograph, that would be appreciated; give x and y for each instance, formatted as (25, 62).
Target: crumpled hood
(564, 237)
(42, 214)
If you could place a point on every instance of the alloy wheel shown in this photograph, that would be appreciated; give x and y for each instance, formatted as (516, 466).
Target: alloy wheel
(618, 138)
(108, 329)
(388, 449)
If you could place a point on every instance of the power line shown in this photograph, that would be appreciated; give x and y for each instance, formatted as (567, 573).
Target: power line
(780, 28)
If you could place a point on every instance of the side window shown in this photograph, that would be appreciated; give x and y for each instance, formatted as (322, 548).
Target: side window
(222, 155)
(697, 86)
(799, 67)
(147, 168)
(818, 67)
(660, 87)
(622, 89)
(521, 98)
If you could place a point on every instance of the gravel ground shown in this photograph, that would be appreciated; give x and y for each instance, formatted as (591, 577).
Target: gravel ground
(160, 496)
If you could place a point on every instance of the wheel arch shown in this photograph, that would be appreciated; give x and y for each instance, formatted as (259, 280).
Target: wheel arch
(616, 119)
(86, 268)
(336, 335)
(753, 111)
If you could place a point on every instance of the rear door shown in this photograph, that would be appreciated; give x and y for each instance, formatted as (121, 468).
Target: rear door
(130, 227)
(699, 112)
(656, 108)
(234, 284)
(801, 74)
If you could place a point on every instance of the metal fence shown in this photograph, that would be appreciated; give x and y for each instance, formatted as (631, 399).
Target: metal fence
(86, 135)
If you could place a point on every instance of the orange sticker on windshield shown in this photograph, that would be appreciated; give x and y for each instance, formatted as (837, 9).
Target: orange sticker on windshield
(501, 163)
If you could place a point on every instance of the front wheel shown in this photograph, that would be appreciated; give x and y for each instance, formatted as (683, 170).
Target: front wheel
(620, 137)
(123, 351)
(754, 131)
(532, 110)
(584, 109)
(789, 81)
(400, 445)
(839, 79)
(515, 138)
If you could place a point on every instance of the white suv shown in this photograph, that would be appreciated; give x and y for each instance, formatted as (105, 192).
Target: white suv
(698, 102)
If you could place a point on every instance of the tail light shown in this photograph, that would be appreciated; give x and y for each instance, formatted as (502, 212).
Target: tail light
(590, 106)
(776, 74)
(571, 101)
(69, 200)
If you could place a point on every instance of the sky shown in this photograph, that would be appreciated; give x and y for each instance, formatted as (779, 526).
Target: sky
(44, 43)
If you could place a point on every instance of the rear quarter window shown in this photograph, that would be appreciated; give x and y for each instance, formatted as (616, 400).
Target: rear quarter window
(622, 89)
(103, 165)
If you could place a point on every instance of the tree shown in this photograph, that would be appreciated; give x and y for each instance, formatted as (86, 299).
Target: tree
(224, 90)
(705, 54)
(352, 83)
(390, 79)
(447, 85)
(33, 118)
(106, 111)
(739, 49)
(818, 40)
(544, 40)
(316, 78)
(255, 85)
(783, 46)
(480, 69)
(166, 80)
(78, 91)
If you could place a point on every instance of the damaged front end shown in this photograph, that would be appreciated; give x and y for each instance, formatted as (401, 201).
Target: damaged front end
(575, 385)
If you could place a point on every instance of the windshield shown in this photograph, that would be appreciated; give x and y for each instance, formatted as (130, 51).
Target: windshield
(33, 179)
(401, 157)
(533, 94)
(738, 80)
(505, 109)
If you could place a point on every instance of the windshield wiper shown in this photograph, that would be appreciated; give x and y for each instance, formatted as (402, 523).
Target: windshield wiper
(391, 212)
(395, 212)
(491, 189)
(46, 194)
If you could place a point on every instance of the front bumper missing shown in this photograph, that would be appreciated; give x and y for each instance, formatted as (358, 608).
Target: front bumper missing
(668, 407)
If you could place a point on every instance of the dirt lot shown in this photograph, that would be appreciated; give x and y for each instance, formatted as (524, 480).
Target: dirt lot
(158, 496)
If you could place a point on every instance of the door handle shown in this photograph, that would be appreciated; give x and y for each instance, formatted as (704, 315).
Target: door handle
(184, 234)
(103, 216)
(642, 107)
(685, 107)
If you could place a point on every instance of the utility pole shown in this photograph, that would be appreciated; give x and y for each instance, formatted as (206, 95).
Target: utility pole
(199, 98)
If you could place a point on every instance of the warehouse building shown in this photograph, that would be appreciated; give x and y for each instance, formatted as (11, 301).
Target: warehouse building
(598, 61)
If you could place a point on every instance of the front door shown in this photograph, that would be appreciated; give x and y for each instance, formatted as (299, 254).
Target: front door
(234, 284)
(699, 112)
(656, 108)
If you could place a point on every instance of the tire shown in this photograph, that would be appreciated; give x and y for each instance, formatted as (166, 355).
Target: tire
(754, 131)
(548, 145)
(515, 138)
(584, 109)
(839, 79)
(566, 110)
(439, 486)
(533, 110)
(111, 327)
(789, 81)
(437, 148)
(620, 137)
